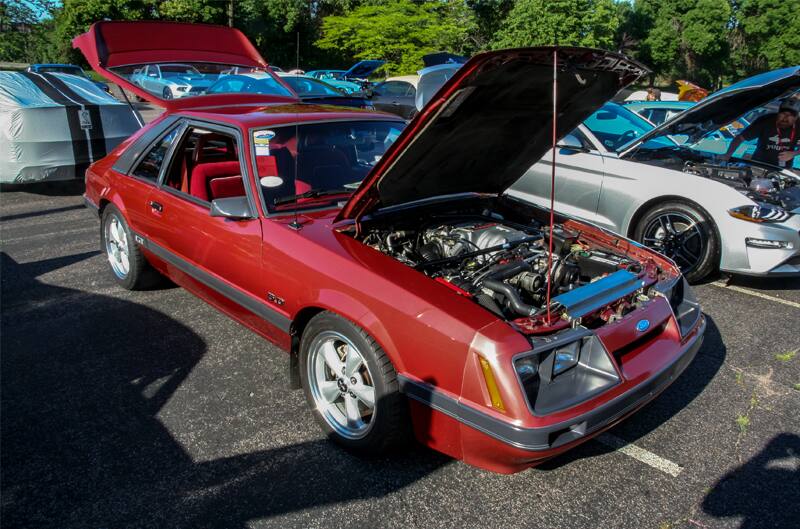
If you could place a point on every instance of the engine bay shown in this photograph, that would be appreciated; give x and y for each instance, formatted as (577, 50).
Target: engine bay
(757, 182)
(507, 266)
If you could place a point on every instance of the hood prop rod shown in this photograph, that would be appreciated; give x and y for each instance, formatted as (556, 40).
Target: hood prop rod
(552, 184)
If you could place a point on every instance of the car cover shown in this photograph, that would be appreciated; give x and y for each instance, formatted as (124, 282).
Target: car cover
(53, 125)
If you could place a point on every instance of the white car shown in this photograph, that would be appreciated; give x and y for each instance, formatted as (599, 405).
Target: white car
(618, 171)
(171, 81)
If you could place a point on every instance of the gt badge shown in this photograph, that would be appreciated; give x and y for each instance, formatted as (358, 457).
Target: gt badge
(642, 325)
(272, 298)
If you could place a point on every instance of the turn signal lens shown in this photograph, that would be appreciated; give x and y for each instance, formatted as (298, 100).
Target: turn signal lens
(491, 385)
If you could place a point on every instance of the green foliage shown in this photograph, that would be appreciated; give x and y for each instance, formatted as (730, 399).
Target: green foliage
(709, 42)
(767, 36)
(399, 32)
(25, 38)
(564, 22)
(688, 39)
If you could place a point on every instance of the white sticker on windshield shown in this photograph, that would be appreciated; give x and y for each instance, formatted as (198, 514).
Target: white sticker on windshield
(271, 181)
(261, 141)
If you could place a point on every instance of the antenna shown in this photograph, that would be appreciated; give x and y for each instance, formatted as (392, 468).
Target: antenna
(295, 224)
(552, 183)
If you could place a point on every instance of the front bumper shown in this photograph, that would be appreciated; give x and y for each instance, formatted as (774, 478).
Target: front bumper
(740, 258)
(525, 445)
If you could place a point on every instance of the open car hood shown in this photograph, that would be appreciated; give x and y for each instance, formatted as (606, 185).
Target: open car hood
(442, 57)
(363, 69)
(724, 106)
(490, 122)
(110, 46)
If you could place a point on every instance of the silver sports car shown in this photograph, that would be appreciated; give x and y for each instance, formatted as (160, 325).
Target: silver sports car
(170, 81)
(654, 185)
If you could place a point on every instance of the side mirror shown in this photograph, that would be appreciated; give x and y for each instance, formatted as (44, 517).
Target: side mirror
(234, 208)
(570, 144)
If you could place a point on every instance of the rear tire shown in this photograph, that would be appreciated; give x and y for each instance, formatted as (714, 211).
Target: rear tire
(129, 266)
(351, 387)
(684, 233)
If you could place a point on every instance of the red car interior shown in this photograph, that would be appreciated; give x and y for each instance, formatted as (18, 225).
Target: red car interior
(209, 179)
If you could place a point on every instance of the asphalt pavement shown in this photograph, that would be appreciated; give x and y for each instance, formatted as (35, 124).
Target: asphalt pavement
(152, 409)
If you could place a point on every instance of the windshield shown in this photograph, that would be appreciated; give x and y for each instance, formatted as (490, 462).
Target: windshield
(184, 80)
(175, 70)
(306, 86)
(325, 161)
(255, 83)
(615, 127)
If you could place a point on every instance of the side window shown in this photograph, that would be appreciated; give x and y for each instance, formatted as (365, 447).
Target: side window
(395, 88)
(206, 166)
(150, 166)
(411, 91)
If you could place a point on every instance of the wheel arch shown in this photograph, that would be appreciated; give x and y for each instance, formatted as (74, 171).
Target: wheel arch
(346, 307)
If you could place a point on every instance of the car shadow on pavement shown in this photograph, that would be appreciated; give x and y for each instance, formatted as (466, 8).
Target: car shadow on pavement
(765, 491)
(58, 188)
(675, 398)
(84, 379)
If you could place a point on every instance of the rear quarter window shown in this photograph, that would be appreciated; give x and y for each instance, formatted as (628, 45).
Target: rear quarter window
(150, 166)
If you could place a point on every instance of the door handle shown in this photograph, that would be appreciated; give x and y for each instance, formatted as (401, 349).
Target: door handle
(156, 206)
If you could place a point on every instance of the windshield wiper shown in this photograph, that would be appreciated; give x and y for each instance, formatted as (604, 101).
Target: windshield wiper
(311, 193)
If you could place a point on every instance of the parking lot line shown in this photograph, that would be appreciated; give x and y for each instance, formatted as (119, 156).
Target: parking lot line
(640, 454)
(721, 284)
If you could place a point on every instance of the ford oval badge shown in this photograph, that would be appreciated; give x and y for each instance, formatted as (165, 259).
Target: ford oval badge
(643, 325)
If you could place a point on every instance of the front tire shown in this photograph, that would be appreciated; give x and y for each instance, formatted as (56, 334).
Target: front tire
(129, 266)
(684, 233)
(166, 93)
(351, 386)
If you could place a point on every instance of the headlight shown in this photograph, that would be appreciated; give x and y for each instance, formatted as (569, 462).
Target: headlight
(182, 88)
(566, 357)
(561, 373)
(760, 213)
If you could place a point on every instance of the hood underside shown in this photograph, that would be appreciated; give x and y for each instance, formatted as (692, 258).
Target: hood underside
(723, 107)
(490, 122)
(112, 47)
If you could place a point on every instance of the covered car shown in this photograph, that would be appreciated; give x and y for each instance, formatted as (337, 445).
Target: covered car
(53, 125)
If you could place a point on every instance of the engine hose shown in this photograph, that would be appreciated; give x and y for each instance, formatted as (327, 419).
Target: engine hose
(488, 302)
(511, 296)
(508, 270)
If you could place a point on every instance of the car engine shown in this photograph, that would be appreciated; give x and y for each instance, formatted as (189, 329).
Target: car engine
(501, 265)
(757, 182)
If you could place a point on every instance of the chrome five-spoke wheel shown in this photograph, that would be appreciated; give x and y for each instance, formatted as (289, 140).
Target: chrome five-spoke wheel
(117, 247)
(341, 385)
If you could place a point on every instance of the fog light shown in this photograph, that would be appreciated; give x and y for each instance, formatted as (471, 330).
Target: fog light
(566, 357)
(765, 243)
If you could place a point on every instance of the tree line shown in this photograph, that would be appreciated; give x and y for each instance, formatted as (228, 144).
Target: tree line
(709, 42)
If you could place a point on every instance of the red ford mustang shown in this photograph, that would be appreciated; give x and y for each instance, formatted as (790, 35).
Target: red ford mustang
(410, 292)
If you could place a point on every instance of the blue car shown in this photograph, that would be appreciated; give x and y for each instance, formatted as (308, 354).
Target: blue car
(349, 81)
(71, 69)
(717, 142)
